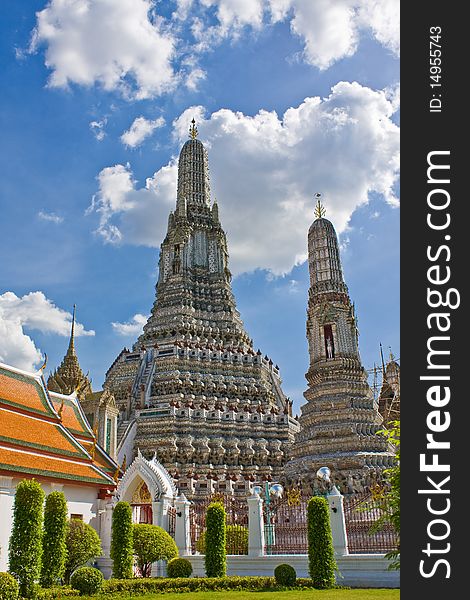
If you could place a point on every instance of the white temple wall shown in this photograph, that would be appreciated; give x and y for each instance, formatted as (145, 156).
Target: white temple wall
(81, 500)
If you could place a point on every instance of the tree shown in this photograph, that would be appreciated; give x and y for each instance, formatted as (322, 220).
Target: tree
(121, 541)
(215, 559)
(321, 555)
(54, 549)
(152, 543)
(236, 540)
(387, 498)
(26, 537)
(82, 543)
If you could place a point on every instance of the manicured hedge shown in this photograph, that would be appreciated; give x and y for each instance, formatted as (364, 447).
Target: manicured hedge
(321, 555)
(26, 537)
(9, 588)
(87, 580)
(179, 567)
(195, 584)
(54, 550)
(285, 575)
(236, 540)
(122, 541)
(215, 559)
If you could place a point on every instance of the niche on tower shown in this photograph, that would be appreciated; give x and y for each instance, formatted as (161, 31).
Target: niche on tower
(176, 260)
(329, 341)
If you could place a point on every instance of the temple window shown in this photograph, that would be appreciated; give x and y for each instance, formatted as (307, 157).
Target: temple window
(329, 341)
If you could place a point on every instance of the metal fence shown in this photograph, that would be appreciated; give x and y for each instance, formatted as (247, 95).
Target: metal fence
(171, 520)
(286, 526)
(360, 514)
(237, 523)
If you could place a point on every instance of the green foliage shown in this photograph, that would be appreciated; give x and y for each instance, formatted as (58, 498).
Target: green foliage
(26, 537)
(83, 544)
(54, 550)
(9, 588)
(56, 593)
(152, 543)
(236, 540)
(285, 575)
(215, 557)
(179, 567)
(87, 580)
(134, 587)
(121, 541)
(321, 556)
(387, 498)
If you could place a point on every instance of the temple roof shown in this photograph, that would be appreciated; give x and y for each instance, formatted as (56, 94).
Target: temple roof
(69, 377)
(33, 438)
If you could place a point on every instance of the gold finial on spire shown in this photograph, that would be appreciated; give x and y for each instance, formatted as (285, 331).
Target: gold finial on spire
(72, 332)
(320, 210)
(193, 132)
(44, 363)
(61, 408)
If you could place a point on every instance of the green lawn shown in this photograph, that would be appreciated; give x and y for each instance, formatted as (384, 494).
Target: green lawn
(356, 594)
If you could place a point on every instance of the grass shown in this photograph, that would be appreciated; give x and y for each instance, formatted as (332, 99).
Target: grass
(339, 594)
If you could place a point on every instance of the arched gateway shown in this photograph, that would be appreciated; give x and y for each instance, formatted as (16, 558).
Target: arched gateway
(149, 489)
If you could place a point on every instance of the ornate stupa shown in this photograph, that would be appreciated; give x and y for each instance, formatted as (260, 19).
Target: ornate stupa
(339, 421)
(193, 391)
(99, 407)
(69, 377)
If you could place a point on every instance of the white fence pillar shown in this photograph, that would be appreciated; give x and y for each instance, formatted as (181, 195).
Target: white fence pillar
(182, 529)
(338, 524)
(256, 543)
(104, 562)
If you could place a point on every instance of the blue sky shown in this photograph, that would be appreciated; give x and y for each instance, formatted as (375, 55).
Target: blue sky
(291, 97)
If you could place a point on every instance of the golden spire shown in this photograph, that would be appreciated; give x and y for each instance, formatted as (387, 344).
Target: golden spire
(320, 210)
(72, 332)
(193, 132)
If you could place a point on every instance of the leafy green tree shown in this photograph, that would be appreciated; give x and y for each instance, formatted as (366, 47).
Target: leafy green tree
(152, 543)
(121, 541)
(83, 544)
(26, 537)
(54, 549)
(236, 540)
(387, 498)
(215, 559)
(321, 555)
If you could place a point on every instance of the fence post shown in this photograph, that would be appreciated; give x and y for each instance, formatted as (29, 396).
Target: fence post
(182, 529)
(338, 524)
(256, 544)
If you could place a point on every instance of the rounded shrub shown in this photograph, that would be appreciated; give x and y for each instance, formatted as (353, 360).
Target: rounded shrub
(285, 575)
(215, 559)
(83, 544)
(152, 543)
(9, 588)
(321, 555)
(179, 567)
(121, 541)
(87, 580)
(54, 549)
(26, 536)
(236, 540)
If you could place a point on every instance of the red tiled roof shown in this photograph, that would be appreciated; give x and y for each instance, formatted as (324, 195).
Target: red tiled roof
(34, 441)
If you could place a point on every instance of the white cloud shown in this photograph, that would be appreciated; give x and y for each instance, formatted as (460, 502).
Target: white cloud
(133, 327)
(121, 44)
(329, 29)
(31, 311)
(50, 217)
(265, 171)
(97, 128)
(140, 130)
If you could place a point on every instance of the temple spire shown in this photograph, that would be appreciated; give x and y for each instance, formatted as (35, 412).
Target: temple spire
(71, 348)
(193, 132)
(320, 210)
